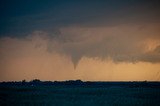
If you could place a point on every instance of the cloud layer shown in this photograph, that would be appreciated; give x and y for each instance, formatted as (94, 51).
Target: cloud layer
(123, 43)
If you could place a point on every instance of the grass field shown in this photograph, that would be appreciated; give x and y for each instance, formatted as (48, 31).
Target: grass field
(78, 96)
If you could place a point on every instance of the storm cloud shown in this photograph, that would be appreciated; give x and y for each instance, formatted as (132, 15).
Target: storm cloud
(123, 43)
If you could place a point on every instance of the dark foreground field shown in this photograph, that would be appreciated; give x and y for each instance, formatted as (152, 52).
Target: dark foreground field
(80, 95)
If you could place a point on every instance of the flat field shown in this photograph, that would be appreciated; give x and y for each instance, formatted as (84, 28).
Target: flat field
(44, 95)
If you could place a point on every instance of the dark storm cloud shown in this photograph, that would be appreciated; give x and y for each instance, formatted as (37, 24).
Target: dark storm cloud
(124, 43)
(20, 17)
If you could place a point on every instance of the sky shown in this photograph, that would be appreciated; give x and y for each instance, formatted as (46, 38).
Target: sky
(91, 40)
